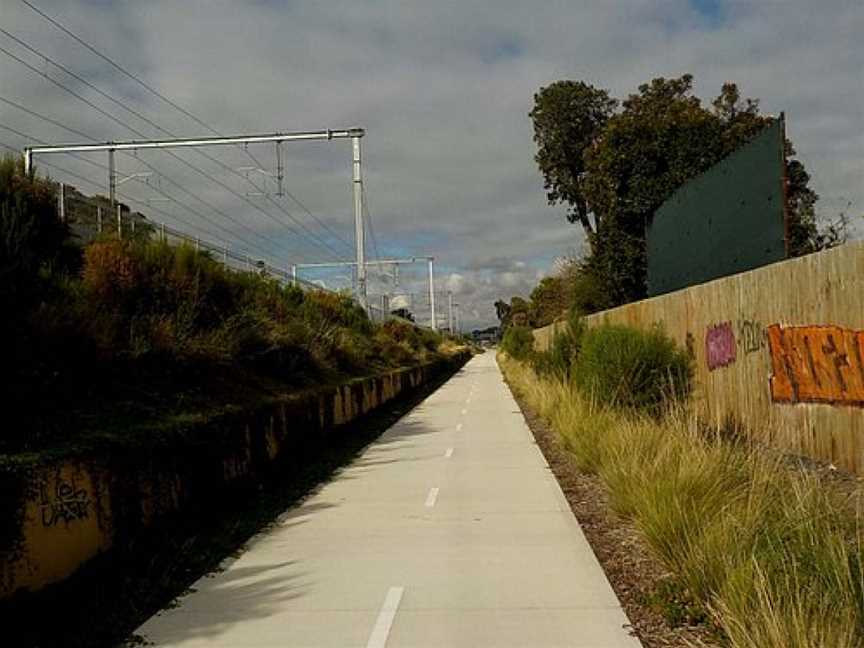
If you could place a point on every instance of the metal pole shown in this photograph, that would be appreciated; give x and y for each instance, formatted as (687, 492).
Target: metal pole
(225, 255)
(432, 294)
(134, 145)
(162, 233)
(450, 311)
(359, 230)
(294, 274)
(112, 178)
(279, 171)
(61, 196)
(197, 244)
(119, 221)
(98, 220)
(28, 161)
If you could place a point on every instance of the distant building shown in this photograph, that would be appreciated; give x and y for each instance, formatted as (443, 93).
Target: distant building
(490, 334)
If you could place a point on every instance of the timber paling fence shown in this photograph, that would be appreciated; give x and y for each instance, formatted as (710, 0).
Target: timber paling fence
(778, 350)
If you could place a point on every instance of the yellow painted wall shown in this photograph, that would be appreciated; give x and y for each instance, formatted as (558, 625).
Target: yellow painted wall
(65, 524)
(816, 291)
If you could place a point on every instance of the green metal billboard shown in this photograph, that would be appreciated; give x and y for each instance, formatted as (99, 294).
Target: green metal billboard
(727, 220)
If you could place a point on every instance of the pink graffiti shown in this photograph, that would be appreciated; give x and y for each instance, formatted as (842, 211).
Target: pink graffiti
(720, 346)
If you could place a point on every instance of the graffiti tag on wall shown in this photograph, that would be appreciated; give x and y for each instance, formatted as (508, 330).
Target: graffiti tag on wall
(816, 364)
(720, 349)
(752, 336)
(64, 504)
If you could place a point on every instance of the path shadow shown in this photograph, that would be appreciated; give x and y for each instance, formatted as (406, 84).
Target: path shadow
(106, 600)
(224, 600)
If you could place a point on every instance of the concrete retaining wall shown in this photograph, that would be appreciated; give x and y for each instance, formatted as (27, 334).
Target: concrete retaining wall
(67, 513)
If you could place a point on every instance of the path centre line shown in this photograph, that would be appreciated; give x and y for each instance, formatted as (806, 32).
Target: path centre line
(381, 631)
(430, 499)
(459, 428)
(449, 453)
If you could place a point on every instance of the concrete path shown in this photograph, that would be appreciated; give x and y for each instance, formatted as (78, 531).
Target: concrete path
(450, 530)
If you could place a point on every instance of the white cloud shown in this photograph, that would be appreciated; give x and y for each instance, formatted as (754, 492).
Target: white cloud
(443, 89)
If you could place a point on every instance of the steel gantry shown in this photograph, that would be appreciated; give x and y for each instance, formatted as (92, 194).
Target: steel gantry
(354, 134)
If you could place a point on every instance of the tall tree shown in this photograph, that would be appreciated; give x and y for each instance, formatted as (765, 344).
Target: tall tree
(568, 117)
(619, 166)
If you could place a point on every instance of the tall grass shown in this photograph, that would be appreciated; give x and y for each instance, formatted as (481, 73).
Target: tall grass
(771, 554)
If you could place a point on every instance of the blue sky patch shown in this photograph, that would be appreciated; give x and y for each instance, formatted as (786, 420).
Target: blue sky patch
(710, 10)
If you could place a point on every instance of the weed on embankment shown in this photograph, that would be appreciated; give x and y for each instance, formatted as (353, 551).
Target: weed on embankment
(769, 554)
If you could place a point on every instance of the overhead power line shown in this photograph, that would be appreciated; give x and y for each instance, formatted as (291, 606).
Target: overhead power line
(137, 132)
(204, 217)
(167, 100)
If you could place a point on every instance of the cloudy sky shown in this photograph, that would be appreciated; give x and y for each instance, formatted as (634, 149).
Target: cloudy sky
(443, 90)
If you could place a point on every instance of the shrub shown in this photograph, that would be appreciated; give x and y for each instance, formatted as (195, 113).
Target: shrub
(110, 272)
(32, 238)
(632, 368)
(563, 351)
(430, 339)
(401, 331)
(327, 308)
(518, 342)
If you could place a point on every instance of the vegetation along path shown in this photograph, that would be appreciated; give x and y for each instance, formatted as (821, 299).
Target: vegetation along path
(448, 531)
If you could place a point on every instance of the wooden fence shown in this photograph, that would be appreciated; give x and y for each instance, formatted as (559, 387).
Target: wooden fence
(779, 349)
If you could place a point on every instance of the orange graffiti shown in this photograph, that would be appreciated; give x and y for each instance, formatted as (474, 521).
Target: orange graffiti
(816, 364)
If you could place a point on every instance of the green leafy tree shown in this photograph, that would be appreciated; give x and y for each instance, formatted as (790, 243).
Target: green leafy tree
(568, 117)
(620, 166)
(502, 311)
(549, 300)
(519, 310)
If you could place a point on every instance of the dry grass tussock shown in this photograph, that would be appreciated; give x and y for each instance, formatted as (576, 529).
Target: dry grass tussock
(771, 554)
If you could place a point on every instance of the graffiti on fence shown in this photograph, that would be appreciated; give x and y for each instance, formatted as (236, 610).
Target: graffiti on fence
(720, 347)
(752, 336)
(817, 364)
(64, 503)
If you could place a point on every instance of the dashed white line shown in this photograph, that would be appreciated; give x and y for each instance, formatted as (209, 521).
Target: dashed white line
(431, 497)
(464, 411)
(459, 427)
(449, 453)
(381, 631)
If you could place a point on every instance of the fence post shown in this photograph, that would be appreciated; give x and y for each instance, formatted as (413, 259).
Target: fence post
(61, 198)
(119, 221)
(98, 220)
